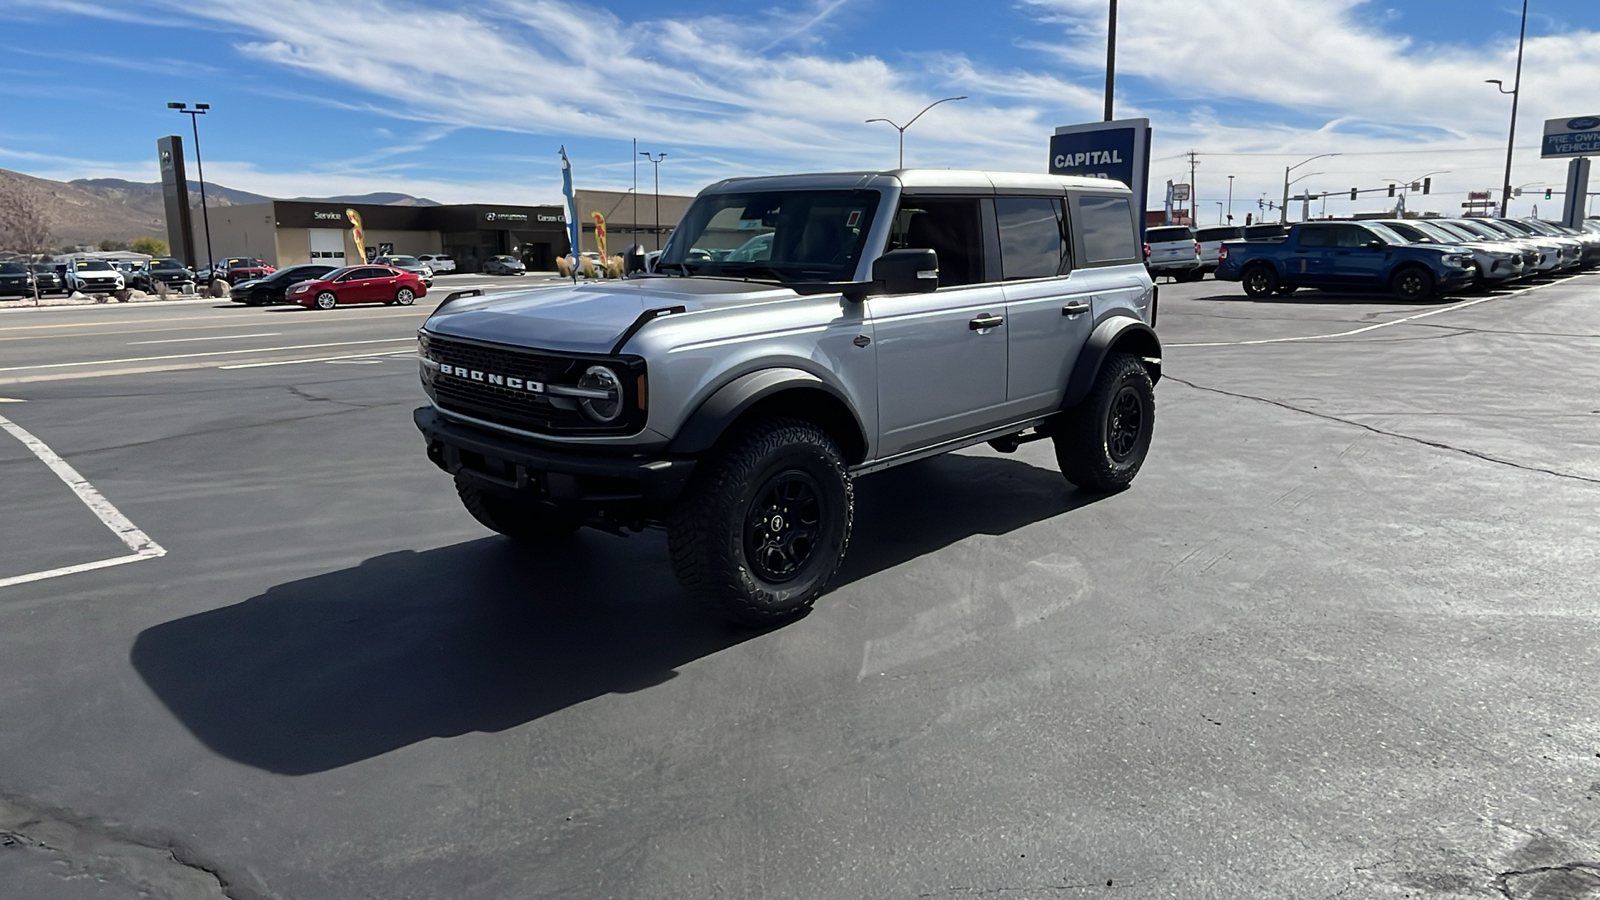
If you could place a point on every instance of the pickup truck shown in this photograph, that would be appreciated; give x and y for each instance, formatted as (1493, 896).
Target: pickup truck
(1345, 255)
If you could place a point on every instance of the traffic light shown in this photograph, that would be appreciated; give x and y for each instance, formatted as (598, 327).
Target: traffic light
(1427, 185)
(1547, 193)
(1391, 190)
(1352, 193)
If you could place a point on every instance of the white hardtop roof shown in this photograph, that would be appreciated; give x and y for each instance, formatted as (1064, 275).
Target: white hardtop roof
(965, 181)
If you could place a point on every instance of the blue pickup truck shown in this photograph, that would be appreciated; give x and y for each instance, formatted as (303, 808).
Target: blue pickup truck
(1345, 256)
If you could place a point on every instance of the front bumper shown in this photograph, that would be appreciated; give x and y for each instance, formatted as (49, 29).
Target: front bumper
(589, 482)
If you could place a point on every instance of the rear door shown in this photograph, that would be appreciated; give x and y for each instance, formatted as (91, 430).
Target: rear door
(942, 355)
(1310, 261)
(1048, 304)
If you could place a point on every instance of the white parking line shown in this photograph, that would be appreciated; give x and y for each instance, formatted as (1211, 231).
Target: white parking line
(137, 541)
(11, 400)
(136, 359)
(215, 337)
(294, 362)
(1363, 330)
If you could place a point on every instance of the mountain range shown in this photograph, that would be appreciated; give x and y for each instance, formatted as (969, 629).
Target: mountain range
(88, 210)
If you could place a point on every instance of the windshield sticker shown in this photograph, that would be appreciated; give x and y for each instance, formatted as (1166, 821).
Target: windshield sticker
(854, 220)
(749, 224)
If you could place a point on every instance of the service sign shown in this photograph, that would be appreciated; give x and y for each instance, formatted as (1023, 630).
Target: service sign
(1571, 137)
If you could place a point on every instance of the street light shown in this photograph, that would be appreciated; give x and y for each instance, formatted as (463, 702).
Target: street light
(657, 161)
(1283, 211)
(1406, 183)
(1516, 96)
(1284, 220)
(902, 128)
(1219, 211)
(205, 216)
(1230, 199)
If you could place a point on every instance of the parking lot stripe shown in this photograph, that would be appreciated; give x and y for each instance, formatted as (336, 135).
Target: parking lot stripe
(137, 541)
(1363, 330)
(214, 337)
(293, 362)
(138, 359)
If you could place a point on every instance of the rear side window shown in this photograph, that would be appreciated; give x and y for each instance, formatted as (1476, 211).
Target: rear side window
(1105, 230)
(1033, 237)
(1255, 232)
(1316, 236)
(1207, 235)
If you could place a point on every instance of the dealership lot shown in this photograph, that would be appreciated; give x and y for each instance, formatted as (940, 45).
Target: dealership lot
(1338, 638)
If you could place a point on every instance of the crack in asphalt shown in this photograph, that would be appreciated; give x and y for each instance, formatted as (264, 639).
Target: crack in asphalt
(89, 847)
(1502, 882)
(1440, 445)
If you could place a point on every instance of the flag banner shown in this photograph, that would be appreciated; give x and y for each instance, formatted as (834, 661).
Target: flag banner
(572, 203)
(600, 235)
(357, 233)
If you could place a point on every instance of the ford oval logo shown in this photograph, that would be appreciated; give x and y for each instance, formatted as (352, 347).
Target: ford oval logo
(1587, 123)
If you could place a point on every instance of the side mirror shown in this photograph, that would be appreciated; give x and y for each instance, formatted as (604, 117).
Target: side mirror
(1376, 244)
(907, 271)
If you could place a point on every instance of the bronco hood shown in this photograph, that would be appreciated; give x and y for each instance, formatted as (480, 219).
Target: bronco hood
(588, 318)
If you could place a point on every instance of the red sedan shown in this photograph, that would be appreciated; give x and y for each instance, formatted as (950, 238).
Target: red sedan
(359, 284)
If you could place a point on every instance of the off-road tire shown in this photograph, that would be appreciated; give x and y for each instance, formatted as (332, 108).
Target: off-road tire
(713, 530)
(1412, 283)
(1260, 280)
(522, 521)
(1094, 445)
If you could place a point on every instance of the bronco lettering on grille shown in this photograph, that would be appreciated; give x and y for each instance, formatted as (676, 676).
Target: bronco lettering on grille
(516, 384)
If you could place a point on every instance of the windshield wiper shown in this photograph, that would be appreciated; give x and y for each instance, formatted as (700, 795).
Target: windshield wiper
(748, 272)
(661, 268)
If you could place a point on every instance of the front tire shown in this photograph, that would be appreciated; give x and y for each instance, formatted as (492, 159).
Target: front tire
(327, 300)
(1102, 442)
(1260, 281)
(405, 296)
(525, 522)
(764, 524)
(1412, 283)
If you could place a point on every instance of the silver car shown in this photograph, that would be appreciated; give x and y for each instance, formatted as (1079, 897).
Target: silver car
(1173, 250)
(889, 317)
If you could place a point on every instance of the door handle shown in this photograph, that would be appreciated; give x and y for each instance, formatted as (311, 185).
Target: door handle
(985, 322)
(1074, 308)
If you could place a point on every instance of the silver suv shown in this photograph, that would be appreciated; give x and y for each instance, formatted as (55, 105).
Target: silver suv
(1173, 250)
(888, 317)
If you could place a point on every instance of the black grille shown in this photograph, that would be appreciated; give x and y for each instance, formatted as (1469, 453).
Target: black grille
(494, 397)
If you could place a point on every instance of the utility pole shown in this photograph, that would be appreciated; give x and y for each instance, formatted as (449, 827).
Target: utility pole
(1230, 199)
(1111, 61)
(657, 160)
(1516, 96)
(636, 194)
(1194, 195)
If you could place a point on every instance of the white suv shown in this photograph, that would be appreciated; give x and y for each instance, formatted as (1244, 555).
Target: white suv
(438, 263)
(1172, 250)
(1211, 244)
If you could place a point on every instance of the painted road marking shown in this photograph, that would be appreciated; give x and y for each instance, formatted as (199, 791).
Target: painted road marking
(139, 359)
(137, 541)
(374, 357)
(1363, 330)
(11, 400)
(215, 337)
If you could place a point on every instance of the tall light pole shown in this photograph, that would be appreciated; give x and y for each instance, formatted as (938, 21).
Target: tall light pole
(636, 194)
(1304, 198)
(902, 128)
(205, 216)
(1283, 211)
(1111, 61)
(1219, 211)
(1230, 199)
(657, 161)
(1516, 96)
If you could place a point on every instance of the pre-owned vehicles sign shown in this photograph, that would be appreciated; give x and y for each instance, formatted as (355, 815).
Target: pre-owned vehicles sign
(1571, 137)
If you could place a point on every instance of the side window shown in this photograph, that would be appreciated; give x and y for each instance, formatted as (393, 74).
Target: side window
(1316, 236)
(1105, 228)
(950, 227)
(1354, 236)
(1033, 237)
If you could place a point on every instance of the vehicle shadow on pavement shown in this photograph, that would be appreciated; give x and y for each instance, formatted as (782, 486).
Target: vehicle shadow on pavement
(487, 635)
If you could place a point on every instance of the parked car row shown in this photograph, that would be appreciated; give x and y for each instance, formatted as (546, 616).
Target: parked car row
(1185, 254)
(1415, 259)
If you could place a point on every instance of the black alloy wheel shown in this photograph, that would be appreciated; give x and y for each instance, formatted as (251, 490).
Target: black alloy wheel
(1412, 283)
(1260, 280)
(782, 526)
(1126, 425)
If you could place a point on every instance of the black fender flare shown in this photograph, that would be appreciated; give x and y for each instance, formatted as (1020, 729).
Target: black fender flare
(706, 425)
(1121, 332)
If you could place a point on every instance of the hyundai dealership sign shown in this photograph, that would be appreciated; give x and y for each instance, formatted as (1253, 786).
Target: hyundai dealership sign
(1119, 151)
(1571, 138)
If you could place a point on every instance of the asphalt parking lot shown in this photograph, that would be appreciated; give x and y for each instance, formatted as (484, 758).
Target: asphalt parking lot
(1337, 640)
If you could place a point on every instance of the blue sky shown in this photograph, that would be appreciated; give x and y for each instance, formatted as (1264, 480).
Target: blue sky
(470, 104)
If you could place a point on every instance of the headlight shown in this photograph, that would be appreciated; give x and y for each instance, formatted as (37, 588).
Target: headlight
(300, 289)
(598, 379)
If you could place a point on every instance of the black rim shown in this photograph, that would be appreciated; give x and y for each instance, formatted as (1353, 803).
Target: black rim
(783, 526)
(1126, 424)
(1260, 283)
(1411, 284)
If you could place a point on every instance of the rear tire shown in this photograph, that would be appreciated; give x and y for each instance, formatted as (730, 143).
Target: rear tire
(1260, 280)
(764, 524)
(1102, 442)
(522, 521)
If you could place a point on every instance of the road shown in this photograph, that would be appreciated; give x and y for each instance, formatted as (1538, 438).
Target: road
(1338, 639)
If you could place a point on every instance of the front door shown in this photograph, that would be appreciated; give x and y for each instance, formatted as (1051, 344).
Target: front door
(1354, 262)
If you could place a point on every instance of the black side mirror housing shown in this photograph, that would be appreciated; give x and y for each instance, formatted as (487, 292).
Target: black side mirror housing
(908, 271)
(1376, 244)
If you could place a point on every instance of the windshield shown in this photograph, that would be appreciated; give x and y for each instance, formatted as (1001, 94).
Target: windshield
(12, 269)
(1434, 232)
(92, 265)
(800, 235)
(1385, 232)
(402, 261)
(166, 264)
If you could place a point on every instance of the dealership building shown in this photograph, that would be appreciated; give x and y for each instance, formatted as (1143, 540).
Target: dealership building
(286, 232)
